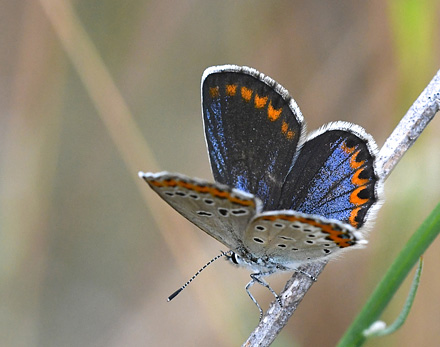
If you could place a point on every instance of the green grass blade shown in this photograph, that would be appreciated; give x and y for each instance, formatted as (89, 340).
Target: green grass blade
(370, 332)
(414, 248)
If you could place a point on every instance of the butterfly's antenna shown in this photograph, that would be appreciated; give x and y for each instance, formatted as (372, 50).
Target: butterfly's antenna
(177, 292)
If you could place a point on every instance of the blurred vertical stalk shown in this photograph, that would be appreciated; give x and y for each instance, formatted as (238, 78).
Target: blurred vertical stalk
(414, 26)
(28, 165)
(134, 150)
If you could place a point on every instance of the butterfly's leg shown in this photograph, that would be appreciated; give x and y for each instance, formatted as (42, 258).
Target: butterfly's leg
(256, 277)
(250, 284)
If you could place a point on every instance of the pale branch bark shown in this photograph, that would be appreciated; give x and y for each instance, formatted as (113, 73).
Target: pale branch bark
(410, 127)
(404, 135)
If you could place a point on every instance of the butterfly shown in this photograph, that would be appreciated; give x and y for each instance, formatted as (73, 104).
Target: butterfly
(280, 199)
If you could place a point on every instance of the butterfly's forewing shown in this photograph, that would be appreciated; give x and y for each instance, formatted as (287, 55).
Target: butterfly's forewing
(291, 238)
(252, 129)
(335, 175)
(219, 210)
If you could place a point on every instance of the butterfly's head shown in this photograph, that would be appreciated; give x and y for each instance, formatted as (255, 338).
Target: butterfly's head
(234, 258)
(246, 260)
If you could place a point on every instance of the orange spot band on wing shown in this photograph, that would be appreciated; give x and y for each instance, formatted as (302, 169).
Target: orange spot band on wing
(356, 164)
(285, 130)
(272, 113)
(353, 215)
(246, 93)
(346, 149)
(222, 194)
(336, 235)
(214, 91)
(260, 102)
(231, 89)
(355, 199)
(356, 180)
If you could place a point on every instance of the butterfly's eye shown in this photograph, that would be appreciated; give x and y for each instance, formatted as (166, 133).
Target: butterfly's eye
(234, 258)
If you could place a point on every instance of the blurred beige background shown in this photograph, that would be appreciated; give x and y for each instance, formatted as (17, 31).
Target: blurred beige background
(93, 91)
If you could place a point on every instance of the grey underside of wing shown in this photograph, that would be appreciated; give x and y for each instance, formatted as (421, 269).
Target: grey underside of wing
(218, 217)
(289, 243)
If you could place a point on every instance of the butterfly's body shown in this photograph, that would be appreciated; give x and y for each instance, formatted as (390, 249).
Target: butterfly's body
(279, 200)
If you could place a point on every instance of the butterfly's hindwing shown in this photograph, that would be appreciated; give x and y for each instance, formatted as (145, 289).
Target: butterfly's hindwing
(219, 210)
(335, 175)
(252, 129)
(292, 238)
